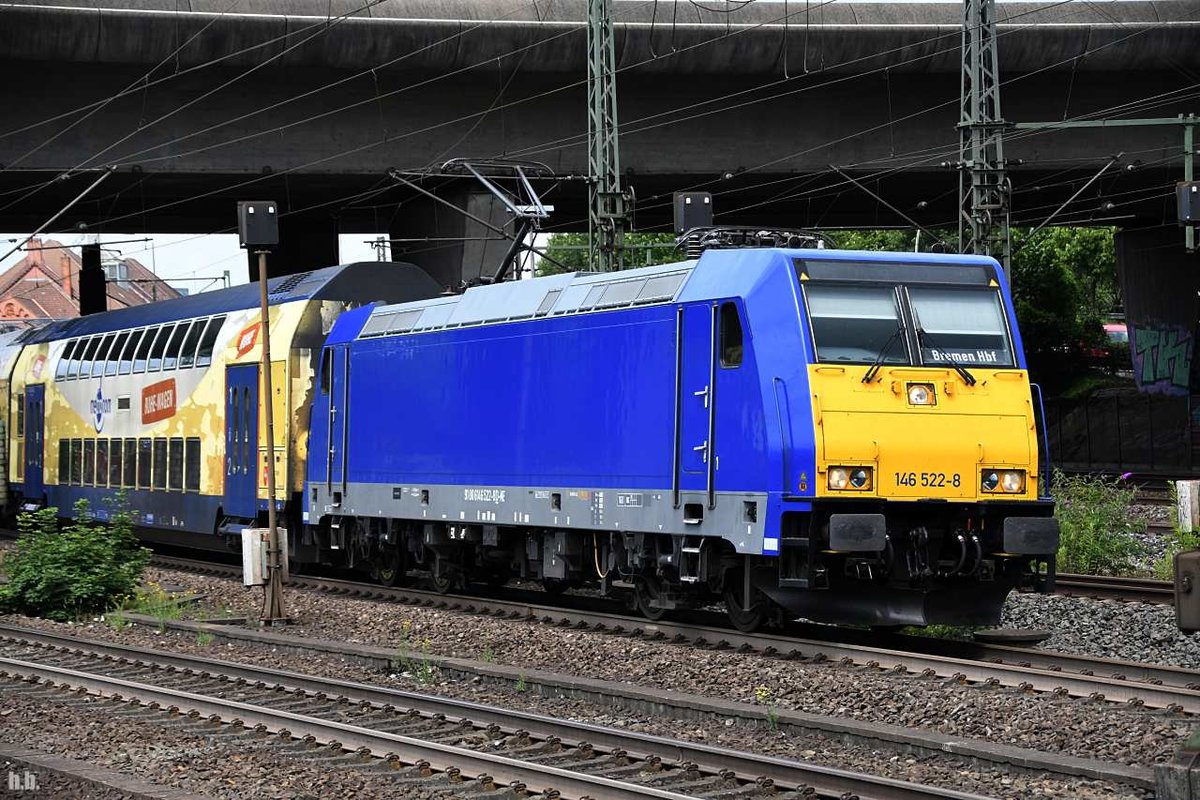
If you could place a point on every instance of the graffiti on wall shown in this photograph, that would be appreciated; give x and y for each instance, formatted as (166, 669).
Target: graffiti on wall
(1162, 358)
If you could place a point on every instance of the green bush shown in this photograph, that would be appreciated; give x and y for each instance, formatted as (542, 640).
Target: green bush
(1097, 525)
(1178, 541)
(84, 568)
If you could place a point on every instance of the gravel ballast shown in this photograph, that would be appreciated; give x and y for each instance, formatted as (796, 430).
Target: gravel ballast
(1105, 628)
(939, 770)
(1043, 722)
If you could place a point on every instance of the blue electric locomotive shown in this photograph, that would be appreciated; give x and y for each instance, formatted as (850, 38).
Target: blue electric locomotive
(843, 435)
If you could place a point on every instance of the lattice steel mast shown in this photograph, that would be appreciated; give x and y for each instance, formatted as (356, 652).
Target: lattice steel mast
(983, 188)
(608, 206)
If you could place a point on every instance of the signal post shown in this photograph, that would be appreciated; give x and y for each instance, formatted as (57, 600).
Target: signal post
(258, 231)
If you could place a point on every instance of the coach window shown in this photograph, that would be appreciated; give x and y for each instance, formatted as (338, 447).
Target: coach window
(143, 351)
(60, 370)
(731, 336)
(209, 341)
(89, 462)
(64, 462)
(145, 456)
(187, 356)
(171, 356)
(191, 481)
(114, 355)
(175, 465)
(160, 463)
(102, 462)
(102, 355)
(129, 474)
(82, 364)
(76, 461)
(114, 463)
(21, 416)
(125, 357)
(160, 345)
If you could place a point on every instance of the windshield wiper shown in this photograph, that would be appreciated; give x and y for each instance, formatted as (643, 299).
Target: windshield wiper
(873, 370)
(968, 378)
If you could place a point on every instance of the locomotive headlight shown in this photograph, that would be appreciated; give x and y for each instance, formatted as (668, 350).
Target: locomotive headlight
(860, 477)
(921, 394)
(839, 477)
(852, 478)
(1006, 481)
(1012, 481)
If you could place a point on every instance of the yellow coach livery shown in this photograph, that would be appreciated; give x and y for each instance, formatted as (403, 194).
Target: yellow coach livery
(163, 402)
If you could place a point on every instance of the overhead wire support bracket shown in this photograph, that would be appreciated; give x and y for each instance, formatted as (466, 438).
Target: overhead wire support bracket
(1189, 122)
(517, 240)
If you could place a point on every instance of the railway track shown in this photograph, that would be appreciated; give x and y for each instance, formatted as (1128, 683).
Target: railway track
(415, 737)
(1139, 590)
(1155, 686)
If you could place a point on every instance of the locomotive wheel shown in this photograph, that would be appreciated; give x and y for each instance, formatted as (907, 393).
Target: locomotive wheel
(445, 580)
(390, 571)
(749, 619)
(554, 586)
(647, 591)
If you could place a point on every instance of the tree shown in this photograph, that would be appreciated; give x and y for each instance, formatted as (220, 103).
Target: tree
(571, 251)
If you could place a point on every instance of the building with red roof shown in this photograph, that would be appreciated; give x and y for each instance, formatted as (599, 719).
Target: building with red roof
(45, 283)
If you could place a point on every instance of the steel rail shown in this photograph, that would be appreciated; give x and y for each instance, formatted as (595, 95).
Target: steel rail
(746, 767)
(1155, 686)
(1142, 590)
(440, 757)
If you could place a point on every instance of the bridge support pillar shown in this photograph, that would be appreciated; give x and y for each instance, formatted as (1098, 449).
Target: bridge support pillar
(306, 242)
(449, 245)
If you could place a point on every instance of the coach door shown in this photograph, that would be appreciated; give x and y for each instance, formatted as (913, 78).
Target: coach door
(241, 440)
(339, 420)
(694, 403)
(35, 431)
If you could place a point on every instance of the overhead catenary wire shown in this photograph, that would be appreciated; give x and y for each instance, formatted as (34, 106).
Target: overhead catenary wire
(502, 106)
(515, 103)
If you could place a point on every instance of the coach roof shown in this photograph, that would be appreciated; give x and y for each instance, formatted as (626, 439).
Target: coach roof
(362, 281)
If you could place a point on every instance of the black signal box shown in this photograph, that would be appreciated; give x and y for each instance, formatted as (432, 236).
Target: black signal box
(258, 224)
(693, 210)
(1187, 194)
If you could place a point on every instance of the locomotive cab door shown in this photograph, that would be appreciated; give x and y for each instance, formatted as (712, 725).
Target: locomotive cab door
(338, 421)
(695, 403)
(35, 428)
(241, 441)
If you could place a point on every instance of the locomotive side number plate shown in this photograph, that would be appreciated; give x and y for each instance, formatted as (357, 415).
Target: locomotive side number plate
(929, 480)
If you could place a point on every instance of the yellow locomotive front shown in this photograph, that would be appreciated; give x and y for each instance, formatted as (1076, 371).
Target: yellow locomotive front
(926, 460)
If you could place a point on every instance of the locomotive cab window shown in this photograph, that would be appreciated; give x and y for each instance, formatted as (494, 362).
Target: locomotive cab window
(966, 326)
(856, 324)
(731, 336)
(326, 369)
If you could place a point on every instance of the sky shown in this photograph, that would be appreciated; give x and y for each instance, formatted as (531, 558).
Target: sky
(187, 261)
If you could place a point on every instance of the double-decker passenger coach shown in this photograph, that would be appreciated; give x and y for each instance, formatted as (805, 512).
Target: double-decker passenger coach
(163, 402)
